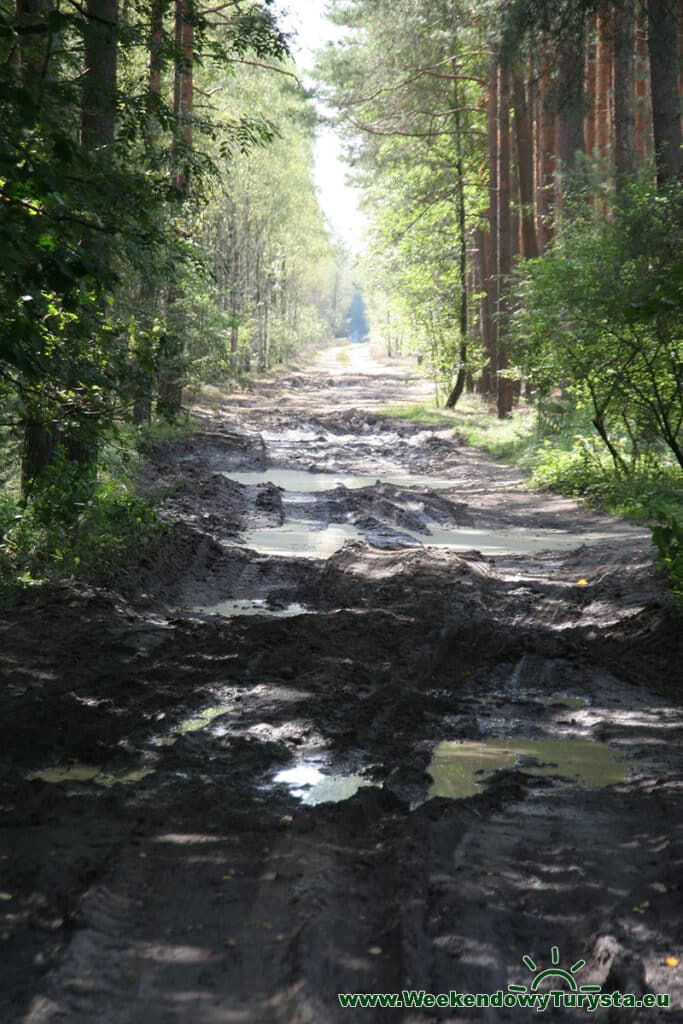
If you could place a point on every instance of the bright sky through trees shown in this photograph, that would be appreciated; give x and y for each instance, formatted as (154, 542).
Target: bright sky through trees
(312, 29)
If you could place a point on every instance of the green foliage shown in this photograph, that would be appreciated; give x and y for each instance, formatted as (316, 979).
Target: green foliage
(115, 279)
(414, 143)
(602, 314)
(70, 529)
(423, 413)
(577, 467)
(269, 284)
(93, 239)
(513, 439)
(667, 537)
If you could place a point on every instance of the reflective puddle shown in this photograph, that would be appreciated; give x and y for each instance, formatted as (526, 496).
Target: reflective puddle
(565, 700)
(77, 772)
(301, 481)
(127, 779)
(255, 606)
(194, 724)
(303, 539)
(458, 770)
(312, 786)
(555, 699)
(500, 542)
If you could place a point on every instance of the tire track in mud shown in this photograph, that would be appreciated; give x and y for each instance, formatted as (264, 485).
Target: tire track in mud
(218, 894)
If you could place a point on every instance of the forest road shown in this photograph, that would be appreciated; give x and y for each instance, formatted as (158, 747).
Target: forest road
(371, 717)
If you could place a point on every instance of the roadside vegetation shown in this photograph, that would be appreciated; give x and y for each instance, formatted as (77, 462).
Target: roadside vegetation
(522, 181)
(160, 230)
(72, 526)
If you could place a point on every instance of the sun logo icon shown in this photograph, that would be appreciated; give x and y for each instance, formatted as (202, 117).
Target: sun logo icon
(554, 972)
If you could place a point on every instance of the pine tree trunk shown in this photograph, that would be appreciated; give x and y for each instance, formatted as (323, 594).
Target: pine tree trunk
(505, 386)
(41, 435)
(98, 119)
(144, 378)
(546, 161)
(666, 113)
(169, 403)
(41, 440)
(679, 25)
(490, 377)
(624, 90)
(156, 42)
(644, 146)
(525, 169)
(99, 83)
(183, 98)
(459, 386)
(570, 104)
(481, 239)
(604, 89)
(591, 91)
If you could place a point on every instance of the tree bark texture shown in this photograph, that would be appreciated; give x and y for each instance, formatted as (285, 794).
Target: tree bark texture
(591, 90)
(570, 103)
(624, 90)
(505, 386)
(170, 356)
(459, 386)
(99, 83)
(666, 105)
(603, 102)
(644, 144)
(525, 168)
(546, 159)
(40, 434)
(492, 261)
(183, 88)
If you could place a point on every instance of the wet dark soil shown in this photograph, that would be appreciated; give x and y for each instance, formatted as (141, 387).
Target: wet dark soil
(155, 863)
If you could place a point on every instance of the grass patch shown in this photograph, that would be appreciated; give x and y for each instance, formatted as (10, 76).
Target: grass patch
(509, 439)
(425, 413)
(144, 438)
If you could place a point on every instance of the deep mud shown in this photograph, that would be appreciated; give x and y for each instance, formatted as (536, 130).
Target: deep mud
(169, 848)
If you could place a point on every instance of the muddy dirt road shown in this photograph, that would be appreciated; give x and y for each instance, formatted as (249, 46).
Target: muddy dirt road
(371, 717)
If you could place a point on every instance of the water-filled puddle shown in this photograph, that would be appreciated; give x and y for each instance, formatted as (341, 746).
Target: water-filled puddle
(458, 770)
(67, 773)
(77, 772)
(312, 786)
(304, 539)
(126, 779)
(252, 606)
(566, 700)
(301, 481)
(194, 724)
(301, 539)
(550, 700)
(499, 542)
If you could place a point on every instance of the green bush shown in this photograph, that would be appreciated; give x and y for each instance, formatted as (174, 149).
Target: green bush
(667, 536)
(599, 322)
(72, 525)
